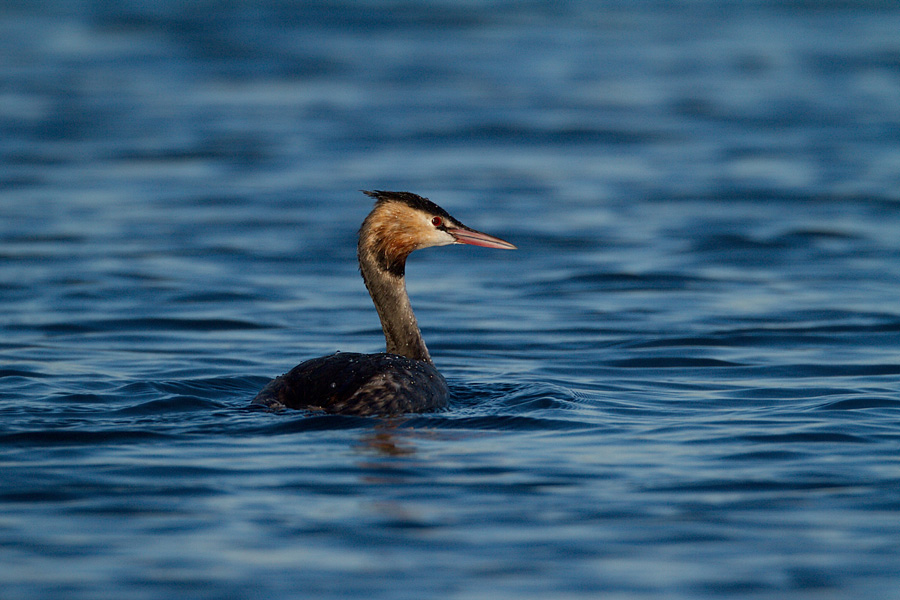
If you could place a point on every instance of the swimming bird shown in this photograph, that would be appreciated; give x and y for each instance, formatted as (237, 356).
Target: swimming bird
(403, 379)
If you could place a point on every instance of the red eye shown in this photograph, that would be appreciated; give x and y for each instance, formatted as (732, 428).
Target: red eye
(437, 221)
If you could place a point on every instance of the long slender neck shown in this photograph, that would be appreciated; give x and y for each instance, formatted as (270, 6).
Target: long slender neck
(387, 286)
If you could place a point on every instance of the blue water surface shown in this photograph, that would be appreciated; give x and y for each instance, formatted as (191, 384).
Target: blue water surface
(684, 384)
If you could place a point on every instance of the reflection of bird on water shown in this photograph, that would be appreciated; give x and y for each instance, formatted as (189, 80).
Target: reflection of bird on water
(402, 379)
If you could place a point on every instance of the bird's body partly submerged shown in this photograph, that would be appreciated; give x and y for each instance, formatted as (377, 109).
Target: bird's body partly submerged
(403, 379)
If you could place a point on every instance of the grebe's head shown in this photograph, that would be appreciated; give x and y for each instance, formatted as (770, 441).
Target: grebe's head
(414, 222)
(402, 222)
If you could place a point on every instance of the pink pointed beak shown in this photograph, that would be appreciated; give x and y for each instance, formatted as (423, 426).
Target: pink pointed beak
(476, 238)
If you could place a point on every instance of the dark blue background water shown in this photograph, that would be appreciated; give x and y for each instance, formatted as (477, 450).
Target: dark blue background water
(685, 384)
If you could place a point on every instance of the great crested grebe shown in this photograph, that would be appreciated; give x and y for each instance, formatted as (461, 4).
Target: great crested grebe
(403, 379)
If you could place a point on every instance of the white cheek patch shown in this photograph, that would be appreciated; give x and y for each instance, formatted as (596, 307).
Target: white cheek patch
(433, 236)
(439, 237)
(448, 239)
